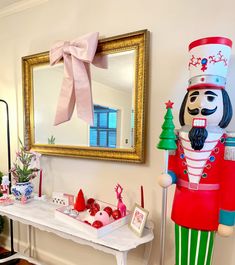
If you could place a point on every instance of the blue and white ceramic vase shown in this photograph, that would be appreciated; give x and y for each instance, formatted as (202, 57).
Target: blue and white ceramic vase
(22, 189)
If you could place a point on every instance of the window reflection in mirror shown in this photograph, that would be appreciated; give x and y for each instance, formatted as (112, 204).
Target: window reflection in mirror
(104, 132)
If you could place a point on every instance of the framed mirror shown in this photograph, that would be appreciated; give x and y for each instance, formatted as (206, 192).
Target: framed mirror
(119, 100)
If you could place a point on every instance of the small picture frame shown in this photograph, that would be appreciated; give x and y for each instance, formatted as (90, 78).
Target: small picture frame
(138, 220)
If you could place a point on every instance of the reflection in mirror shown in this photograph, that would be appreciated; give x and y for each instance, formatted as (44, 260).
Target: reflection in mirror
(118, 98)
(112, 89)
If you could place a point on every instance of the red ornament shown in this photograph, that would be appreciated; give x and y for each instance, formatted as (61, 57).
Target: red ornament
(116, 214)
(80, 202)
(97, 224)
(94, 208)
(89, 202)
(108, 210)
(169, 104)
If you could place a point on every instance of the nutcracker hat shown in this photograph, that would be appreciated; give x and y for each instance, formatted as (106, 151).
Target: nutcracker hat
(208, 62)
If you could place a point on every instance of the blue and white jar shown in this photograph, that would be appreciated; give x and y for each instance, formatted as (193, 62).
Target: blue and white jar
(22, 189)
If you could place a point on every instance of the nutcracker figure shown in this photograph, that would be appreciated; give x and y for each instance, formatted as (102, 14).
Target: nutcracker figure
(203, 165)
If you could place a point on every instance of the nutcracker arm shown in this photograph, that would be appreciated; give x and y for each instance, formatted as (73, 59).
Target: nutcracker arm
(227, 184)
(173, 176)
(226, 222)
(227, 217)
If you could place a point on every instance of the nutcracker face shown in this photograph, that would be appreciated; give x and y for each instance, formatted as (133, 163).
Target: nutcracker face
(204, 107)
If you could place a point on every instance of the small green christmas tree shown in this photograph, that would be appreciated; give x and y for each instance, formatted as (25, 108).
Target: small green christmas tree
(168, 137)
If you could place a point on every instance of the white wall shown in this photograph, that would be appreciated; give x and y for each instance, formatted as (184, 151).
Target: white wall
(173, 25)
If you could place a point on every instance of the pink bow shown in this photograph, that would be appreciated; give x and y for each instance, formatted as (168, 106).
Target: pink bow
(76, 86)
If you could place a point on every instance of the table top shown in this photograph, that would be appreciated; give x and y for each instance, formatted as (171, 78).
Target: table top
(40, 214)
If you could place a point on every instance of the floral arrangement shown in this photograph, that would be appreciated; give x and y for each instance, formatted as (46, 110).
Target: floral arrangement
(26, 165)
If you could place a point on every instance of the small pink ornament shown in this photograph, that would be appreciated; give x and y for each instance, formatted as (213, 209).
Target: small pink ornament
(103, 217)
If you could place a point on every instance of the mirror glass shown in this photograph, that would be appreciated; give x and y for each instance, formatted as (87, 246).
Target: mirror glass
(113, 95)
(118, 98)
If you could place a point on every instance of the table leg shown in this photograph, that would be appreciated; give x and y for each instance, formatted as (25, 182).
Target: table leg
(121, 257)
(147, 252)
(30, 240)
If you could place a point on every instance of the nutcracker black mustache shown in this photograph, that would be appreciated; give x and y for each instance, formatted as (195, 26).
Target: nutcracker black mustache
(204, 112)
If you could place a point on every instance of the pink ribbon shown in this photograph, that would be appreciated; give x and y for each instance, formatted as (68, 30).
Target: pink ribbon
(76, 86)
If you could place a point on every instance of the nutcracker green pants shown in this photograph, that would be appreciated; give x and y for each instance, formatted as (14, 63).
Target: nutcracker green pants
(193, 247)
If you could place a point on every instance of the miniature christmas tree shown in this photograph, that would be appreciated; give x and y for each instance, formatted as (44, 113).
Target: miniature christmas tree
(168, 137)
(80, 202)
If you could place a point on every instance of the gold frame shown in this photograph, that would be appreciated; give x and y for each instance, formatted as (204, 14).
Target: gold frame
(135, 40)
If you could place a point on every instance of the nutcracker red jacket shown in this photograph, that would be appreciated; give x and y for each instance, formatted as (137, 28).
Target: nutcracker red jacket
(205, 209)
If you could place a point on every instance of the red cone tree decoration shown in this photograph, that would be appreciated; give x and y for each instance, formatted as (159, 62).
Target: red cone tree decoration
(80, 202)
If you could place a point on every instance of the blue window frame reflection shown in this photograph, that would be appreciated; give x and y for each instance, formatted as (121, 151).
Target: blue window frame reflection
(104, 131)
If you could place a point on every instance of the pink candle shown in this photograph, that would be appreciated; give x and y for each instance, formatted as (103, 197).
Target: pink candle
(40, 184)
(142, 196)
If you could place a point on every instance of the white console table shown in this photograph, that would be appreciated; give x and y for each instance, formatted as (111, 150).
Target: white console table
(40, 215)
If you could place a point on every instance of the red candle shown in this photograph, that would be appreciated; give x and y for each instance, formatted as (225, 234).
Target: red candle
(142, 196)
(40, 184)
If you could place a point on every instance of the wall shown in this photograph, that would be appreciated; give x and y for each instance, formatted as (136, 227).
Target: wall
(173, 25)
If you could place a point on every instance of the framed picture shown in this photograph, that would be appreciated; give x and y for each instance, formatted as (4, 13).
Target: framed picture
(138, 219)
